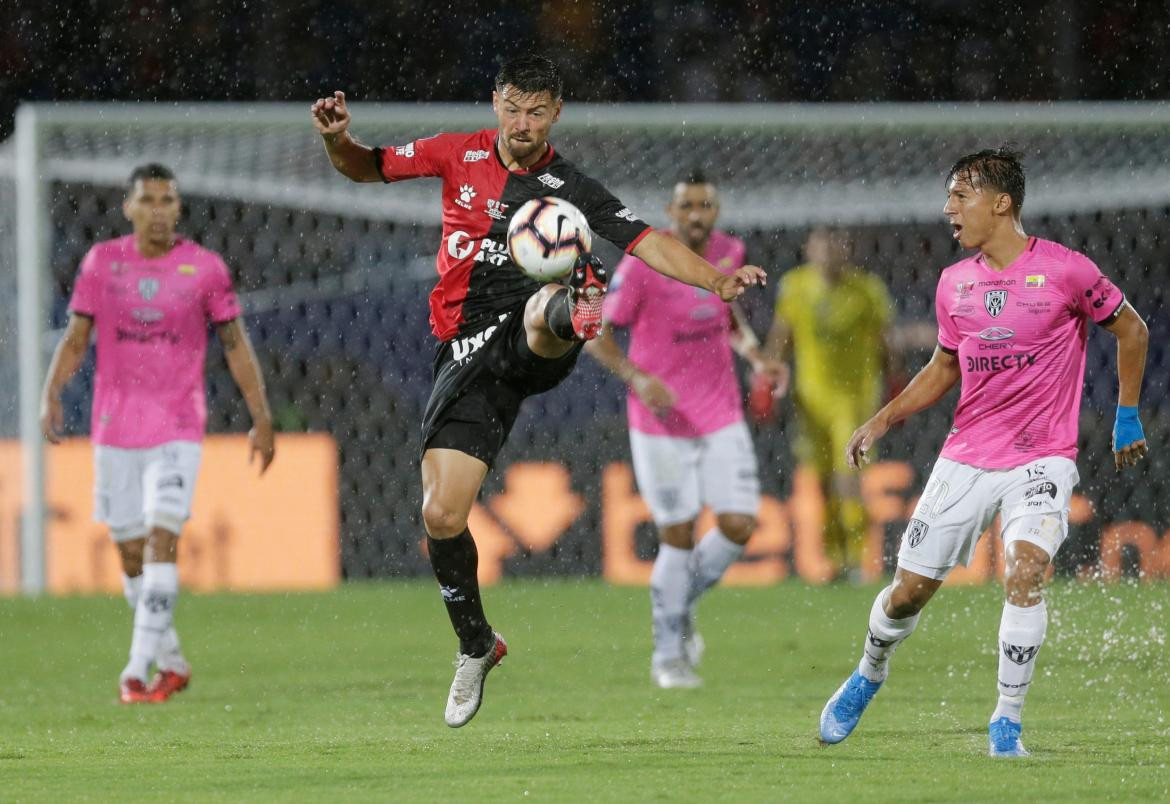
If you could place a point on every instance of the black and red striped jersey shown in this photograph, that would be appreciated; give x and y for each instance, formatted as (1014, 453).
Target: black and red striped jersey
(477, 277)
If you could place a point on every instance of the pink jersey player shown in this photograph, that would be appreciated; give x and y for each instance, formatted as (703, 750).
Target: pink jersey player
(1012, 326)
(689, 444)
(151, 297)
(1019, 335)
(681, 335)
(152, 317)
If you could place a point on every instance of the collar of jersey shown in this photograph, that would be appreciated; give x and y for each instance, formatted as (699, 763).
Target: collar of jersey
(1022, 258)
(538, 166)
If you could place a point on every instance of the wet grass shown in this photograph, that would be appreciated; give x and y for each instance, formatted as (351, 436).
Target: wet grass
(340, 697)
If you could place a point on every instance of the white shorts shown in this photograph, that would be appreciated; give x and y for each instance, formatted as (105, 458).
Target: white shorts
(960, 501)
(136, 490)
(678, 476)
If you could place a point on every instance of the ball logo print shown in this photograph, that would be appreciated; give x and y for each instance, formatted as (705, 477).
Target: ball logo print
(545, 237)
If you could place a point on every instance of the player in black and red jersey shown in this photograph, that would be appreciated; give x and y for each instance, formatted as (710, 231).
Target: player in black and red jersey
(503, 337)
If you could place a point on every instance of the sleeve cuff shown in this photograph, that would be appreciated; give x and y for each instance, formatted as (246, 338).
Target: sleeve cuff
(947, 349)
(1116, 314)
(378, 163)
(634, 243)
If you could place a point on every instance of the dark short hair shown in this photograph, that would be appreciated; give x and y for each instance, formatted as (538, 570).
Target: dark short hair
(531, 73)
(151, 170)
(998, 168)
(694, 175)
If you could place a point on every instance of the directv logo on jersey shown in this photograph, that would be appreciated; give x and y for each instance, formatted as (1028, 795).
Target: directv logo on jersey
(994, 301)
(552, 181)
(476, 156)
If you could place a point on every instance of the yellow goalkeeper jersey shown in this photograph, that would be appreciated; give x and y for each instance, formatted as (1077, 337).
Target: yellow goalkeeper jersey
(836, 334)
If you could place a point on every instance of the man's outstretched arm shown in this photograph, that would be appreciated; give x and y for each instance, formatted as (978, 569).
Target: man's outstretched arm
(352, 159)
(669, 257)
(1133, 337)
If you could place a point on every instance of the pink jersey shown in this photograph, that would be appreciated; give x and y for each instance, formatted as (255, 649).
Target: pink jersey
(1020, 336)
(151, 317)
(679, 334)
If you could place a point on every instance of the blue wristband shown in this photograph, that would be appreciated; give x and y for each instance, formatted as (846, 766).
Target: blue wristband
(1127, 428)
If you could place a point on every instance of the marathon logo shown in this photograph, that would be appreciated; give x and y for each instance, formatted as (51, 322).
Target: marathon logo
(985, 363)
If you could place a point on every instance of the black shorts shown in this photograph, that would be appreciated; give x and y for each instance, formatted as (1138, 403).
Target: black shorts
(481, 377)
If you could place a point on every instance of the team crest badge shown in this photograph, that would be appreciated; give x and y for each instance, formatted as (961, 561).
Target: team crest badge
(1020, 654)
(147, 288)
(994, 301)
(916, 531)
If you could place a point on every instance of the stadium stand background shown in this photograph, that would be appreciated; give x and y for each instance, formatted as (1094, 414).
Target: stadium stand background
(708, 50)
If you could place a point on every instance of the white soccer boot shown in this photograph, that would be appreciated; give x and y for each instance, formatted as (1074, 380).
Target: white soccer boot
(693, 645)
(467, 688)
(675, 674)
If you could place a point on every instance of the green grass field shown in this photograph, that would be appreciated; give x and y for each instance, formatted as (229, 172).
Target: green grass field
(340, 697)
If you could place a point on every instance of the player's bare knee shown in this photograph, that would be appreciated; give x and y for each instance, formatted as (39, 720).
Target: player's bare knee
(680, 535)
(738, 528)
(909, 594)
(131, 553)
(442, 521)
(1023, 582)
(162, 546)
(1025, 568)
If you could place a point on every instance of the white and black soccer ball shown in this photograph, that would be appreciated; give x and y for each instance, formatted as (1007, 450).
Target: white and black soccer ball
(545, 236)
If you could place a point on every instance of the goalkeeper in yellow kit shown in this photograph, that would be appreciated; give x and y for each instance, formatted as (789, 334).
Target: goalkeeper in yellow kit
(831, 318)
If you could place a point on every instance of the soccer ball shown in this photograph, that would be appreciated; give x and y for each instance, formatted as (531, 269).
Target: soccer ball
(545, 236)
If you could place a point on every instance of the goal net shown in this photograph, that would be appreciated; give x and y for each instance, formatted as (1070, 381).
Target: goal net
(334, 278)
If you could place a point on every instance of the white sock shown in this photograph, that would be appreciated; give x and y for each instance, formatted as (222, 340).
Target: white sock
(170, 653)
(1021, 633)
(710, 560)
(131, 589)
(152, 616)
(885, 634)
(669, 584)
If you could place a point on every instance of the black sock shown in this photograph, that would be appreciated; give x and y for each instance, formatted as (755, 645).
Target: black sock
(559, 315)
(455, 562)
